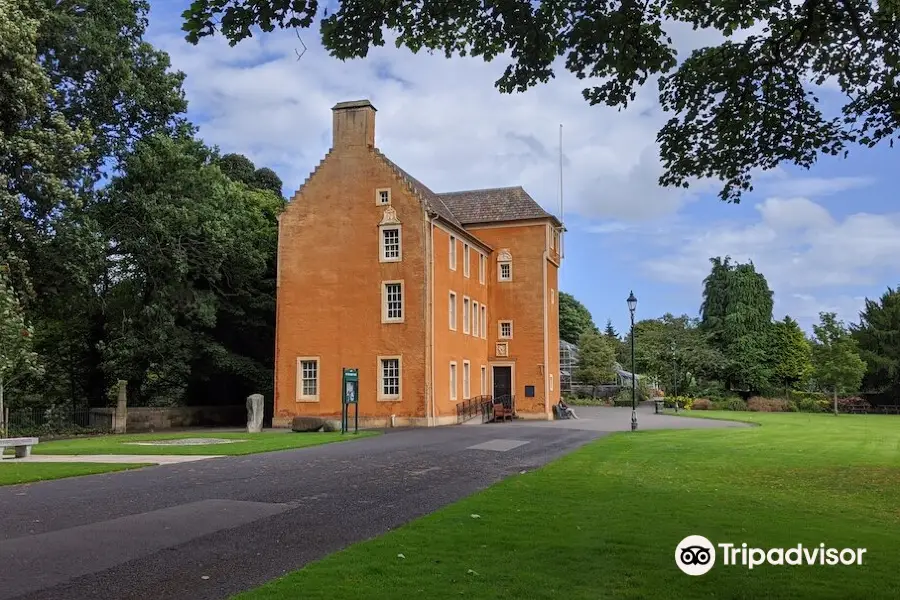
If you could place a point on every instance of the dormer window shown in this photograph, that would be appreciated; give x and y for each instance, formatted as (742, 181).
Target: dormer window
(383, 196)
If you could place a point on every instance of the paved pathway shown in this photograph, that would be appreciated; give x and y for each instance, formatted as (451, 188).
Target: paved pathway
(210, 528)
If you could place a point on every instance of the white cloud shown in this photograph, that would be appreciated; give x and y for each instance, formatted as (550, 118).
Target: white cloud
(442, 120)
(815, 186)
(809, 257)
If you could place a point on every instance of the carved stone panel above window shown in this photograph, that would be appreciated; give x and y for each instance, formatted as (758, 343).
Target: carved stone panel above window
(390, 217)
(502, 349)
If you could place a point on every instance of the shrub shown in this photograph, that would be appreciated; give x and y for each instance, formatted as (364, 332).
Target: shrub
(760, 404)
(810, 405)
(682, 401)
(701, 404)
(733, 404)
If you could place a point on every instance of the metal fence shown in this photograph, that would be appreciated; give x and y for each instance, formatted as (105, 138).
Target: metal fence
(42, 421)
(472, 407)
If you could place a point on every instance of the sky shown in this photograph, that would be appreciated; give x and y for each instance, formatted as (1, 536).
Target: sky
(825, 238)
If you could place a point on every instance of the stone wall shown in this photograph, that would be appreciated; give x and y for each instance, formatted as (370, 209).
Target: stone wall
(141, 419)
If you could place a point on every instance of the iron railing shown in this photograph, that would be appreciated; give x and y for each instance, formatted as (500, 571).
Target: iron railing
(37, 421)
(472, 407)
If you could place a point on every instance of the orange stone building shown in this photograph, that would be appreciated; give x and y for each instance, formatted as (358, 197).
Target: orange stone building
(434, 298)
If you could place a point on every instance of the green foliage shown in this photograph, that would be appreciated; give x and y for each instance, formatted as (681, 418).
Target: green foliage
(596, 359)
(739, 104)
(238, 167)
(610, 331)
(878, 339)
(791, 353)
(266, 179)
(732, 404)
(736, 314)
(194, 295)
(836, 362)
(685, 402)
(16, 337)
(574, 318)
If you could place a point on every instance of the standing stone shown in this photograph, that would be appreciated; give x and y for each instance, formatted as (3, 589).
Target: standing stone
(120, 416)
(254, 413)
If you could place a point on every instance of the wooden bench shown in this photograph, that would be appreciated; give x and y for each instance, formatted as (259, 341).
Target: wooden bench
(22, 445)
(501, 413)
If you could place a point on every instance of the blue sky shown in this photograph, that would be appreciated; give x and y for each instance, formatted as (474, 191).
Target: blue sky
(825, 238)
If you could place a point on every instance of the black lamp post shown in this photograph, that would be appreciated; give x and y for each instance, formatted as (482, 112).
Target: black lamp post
(632, 304)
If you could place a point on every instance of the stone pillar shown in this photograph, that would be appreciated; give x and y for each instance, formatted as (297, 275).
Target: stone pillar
(254, 413)
(120, 417)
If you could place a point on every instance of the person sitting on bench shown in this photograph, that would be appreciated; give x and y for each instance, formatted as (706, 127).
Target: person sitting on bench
(565, 410)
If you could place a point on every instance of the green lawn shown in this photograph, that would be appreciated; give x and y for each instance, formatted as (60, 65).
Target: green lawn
(604, 522)
(256, 442)
(12, 473)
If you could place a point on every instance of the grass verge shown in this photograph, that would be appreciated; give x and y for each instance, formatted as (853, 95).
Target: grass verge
(249, 443)
(12, 472)
(604, 521)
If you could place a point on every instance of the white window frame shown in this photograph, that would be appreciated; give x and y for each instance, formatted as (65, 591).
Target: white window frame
(551, 382)
(300, 396)
(476, 329)
(384, 302)
(552, 296)
(500, 325)
(453, 382)
(467, 317)
(451, 310)
(484, 322)
(481, 262)
(483, 380)
(382, 397)
(467, 380)
(378, 192)
(466, 261)
(384, 257)
(500, 265)
(452, 252)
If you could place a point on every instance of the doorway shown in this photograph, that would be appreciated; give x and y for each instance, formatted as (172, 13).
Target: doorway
(502, 378)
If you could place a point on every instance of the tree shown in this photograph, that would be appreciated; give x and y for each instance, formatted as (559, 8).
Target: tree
(736, 314)
(238, 167)
(192, 306)
(740, 104)
(837, 366)
(878, 337)
(574, 318)
(596, 360)
(266, 179)
(791, 352)
(16, 355)
(610, 331)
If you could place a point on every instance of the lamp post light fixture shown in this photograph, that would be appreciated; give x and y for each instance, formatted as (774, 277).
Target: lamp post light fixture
(632, 304)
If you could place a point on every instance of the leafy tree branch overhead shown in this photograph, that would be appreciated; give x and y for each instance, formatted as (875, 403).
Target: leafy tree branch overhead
(742, 105)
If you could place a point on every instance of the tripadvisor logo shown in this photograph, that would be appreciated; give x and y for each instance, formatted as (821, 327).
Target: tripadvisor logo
(696, 555)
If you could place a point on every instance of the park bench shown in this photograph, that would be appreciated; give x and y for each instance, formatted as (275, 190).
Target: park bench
(501, 413)
(22, 445)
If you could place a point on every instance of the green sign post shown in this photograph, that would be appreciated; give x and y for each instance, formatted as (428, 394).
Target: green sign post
(350, 391)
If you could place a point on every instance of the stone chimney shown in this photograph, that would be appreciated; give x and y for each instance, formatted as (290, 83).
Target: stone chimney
(354, 124)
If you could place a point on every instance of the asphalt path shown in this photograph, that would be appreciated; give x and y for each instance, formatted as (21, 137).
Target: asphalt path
(209, 529)
(212, 528)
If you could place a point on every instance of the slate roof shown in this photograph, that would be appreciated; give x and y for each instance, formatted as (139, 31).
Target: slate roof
(493, 205)
(434, 201)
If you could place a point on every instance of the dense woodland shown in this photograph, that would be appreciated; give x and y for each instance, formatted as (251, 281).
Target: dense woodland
(736, 349)
(129, 248)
